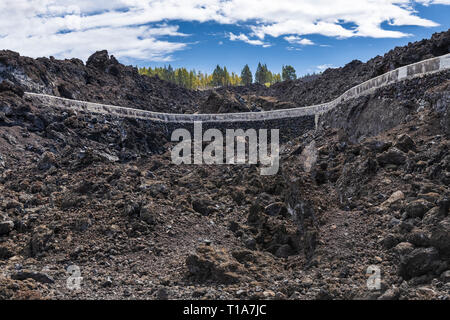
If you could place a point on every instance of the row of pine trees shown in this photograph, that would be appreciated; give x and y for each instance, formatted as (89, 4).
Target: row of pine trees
(220, 76)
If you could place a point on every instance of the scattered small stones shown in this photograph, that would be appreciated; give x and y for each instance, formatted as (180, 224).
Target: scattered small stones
(99, 192)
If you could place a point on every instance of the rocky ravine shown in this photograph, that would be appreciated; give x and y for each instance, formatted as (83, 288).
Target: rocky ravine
(100, 193)
(140, 227)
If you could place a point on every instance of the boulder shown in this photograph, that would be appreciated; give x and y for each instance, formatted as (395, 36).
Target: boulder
(46, 161)
(100, 60)
(284, 251)
(36, 276)
(7, 85)
(418, 262)
(378, 146)
(275, 209)
(445, 276)
(40, 239)
(396, 196)
(6, 227)
(147, 214)
(392, 156)
(203, 206)
(419, 238)
(213, 264)
(390, 294)
(440, 236)
(418, 208)
(405, 143)
(403, 248)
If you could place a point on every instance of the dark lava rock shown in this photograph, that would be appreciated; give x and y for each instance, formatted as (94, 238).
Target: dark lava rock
(405, 143)
(6, 227)
(418, 238)
(378, 146)
(213, 264)
(418, 208)
(47, 161)
(390, 294)
(445, 276)
(444, 206)
(100, 60)
(390, 241)
(223, 103)
(100, 80)
(6, 252)
(440, 237)
(7, 85)
(203, 206)
(40, 240)
(392, 156)
(403, 248)
(147, 214)
(418, 262)
(284, 251)
(275, 209)
(36, 276)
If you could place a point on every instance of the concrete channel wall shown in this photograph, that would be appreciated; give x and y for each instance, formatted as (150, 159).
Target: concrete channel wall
(418, 69)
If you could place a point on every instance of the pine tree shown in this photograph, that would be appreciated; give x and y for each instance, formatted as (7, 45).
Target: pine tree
(259, 76)
(246, 76)
(263, 75)
(288, 73)
(225, 77)
(192, 79)
(217, 77)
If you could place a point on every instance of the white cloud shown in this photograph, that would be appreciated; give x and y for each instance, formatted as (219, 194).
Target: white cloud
(429, 2)
(243, 37)
(298, 40)
(135, 28)
(323, 67)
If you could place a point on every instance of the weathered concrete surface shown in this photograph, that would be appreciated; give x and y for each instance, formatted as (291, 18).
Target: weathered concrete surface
(412, 71)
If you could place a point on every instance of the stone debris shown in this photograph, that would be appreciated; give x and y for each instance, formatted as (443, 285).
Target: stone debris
(94, 199)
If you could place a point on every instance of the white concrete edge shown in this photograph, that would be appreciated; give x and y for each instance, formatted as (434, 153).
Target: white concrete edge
(414, 70)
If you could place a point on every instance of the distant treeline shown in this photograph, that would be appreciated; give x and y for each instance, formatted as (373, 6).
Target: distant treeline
(220, 76)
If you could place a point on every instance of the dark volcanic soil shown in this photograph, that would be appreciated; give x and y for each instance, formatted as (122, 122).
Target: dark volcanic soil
(101, 194)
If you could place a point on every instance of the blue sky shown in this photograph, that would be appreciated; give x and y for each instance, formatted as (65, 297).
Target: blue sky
(198, 34)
